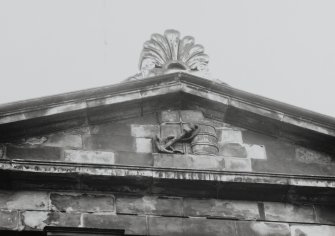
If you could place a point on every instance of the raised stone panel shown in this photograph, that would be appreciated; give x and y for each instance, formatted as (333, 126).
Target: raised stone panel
(133, 225)
(77, 202)
(312, 230)
(199, 162)
(259, 228)
(24, 200)
(151, 205)
(221, 209)
(92, 157)
(169, 116)
(289, 213)
(191, 116)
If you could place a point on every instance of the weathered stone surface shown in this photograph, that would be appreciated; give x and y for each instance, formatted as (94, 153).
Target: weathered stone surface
(228, 135)
(169, 116)
(201, 162)
(325, 214)
(145, 131)
(208, 227)
(288, 213)
(232, 150)
(143, 145)
(111, 129)
(32, 220)
(82, 202)
(34, 153)
(151, 205)
(165, 226)
(221, 208)
(312, 230)
(253, 228)
(93, 157)
(110, 143)
(238, 164)
(309, 156)
(255, 151)
(24, 200)
(9, 220)
(134, 158)
(133, 225)
(191, 116)
(64, 140)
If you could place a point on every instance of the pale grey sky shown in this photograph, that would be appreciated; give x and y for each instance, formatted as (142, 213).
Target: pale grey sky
(283, 49)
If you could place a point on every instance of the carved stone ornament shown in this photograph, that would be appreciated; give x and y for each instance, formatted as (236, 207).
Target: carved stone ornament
(168, 53)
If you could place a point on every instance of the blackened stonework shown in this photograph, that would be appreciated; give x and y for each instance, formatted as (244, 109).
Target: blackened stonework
(167, 152)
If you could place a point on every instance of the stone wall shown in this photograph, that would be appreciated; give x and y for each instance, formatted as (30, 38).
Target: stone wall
(160, 215)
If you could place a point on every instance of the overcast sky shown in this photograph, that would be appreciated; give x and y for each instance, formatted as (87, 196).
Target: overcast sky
(284, 50)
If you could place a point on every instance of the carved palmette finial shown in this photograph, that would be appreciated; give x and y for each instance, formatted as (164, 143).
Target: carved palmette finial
(169, 51)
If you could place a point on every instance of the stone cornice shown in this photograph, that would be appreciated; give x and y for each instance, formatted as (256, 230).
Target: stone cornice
(272, 187)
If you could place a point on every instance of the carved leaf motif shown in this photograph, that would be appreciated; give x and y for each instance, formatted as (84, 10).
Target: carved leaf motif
(161, 50)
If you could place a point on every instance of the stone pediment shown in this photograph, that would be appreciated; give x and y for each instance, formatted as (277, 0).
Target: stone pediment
(172, 91)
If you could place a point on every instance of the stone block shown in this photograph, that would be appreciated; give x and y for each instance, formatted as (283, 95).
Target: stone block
(227, 135)
(24, 200)
(82, 202)
(312, 230)
(200, 162)
(309, 156)
(232, 150)
(238, 164)
(133, 225)
(92, 157)
(64, 140)
(34, 153)
(143, 145)
(9, 220)
(221, 209)
(145, 131)
(150, 205)
(169, 116)
(110, 143)
(134, 158)
(275, 211)
(109, 129)
(37, 220)
(165, 226)
(259, 228)
(208, 227)
(255, 151)
(191, 116)
(325, 214)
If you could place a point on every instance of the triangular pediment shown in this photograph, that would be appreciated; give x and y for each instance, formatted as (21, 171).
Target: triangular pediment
(172, 91)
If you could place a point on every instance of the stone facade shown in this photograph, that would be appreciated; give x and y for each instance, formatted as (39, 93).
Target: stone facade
(173, 154)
